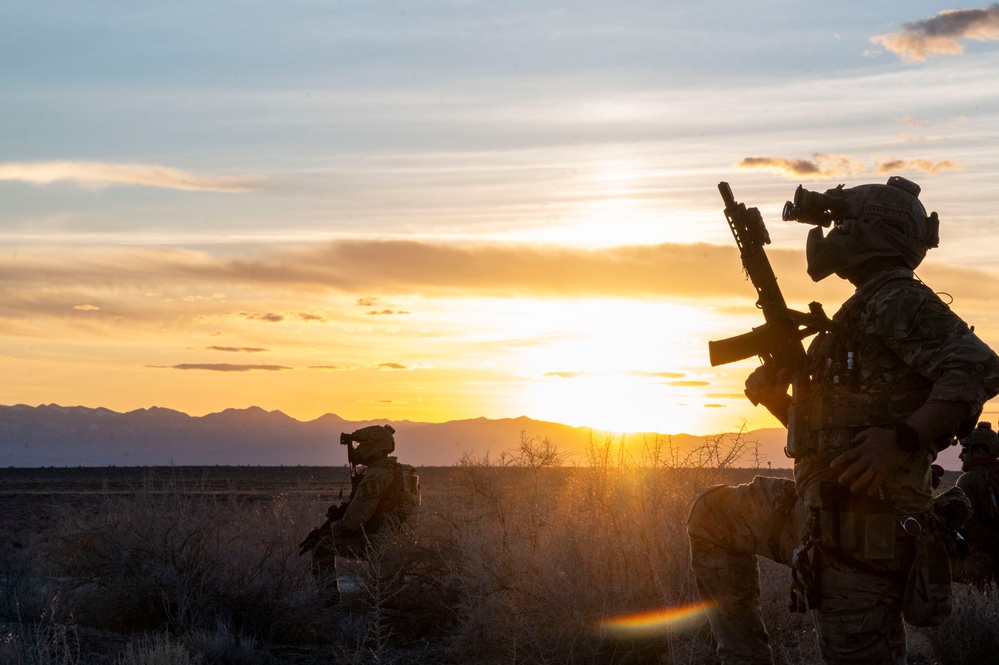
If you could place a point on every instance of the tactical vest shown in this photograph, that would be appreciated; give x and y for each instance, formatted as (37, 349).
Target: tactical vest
(854, 381)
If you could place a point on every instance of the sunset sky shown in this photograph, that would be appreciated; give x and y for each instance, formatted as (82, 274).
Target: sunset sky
(432, 210)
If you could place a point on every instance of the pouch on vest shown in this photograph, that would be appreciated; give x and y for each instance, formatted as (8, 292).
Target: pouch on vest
(927, 589)
(861, 526)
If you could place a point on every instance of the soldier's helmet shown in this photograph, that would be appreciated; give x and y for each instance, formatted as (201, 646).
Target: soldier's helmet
(983, 436)
(372, 441)
(873, 221)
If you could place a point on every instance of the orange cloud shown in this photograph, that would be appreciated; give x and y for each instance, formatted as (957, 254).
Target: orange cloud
(100, 174)
(822, 166)
(836, 166)
(942, 34)
(922, 165)
(222, 367)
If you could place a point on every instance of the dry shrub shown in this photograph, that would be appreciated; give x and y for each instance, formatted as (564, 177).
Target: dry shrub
(157, 649)
(545, 554)
(170, 556)
(970, 635)
(50, 641)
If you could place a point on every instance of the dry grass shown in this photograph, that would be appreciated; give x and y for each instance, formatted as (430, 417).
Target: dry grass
(512, 559)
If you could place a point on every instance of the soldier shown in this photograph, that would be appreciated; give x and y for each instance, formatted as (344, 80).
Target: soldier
(980, 482)
(383, 495)
(887, 384)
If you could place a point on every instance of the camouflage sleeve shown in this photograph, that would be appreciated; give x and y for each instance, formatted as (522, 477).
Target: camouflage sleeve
(975, 487)
(365, 502)
(928, 337)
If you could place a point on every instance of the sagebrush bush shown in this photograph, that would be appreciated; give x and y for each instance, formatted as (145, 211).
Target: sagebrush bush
(544, 555)
(170, 556)
(970, 635)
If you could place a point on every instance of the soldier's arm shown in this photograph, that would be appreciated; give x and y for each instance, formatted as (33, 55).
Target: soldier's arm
(878, 451)
(974, 487)
(926, 335)
(365, 502)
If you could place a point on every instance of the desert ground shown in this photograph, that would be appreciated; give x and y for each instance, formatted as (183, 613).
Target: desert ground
(514, 559)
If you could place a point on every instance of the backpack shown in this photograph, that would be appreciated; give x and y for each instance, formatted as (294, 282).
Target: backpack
(409, 489)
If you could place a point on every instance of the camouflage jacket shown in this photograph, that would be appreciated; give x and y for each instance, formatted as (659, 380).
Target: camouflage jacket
(374, 500)
(981, 485)
(894, 346)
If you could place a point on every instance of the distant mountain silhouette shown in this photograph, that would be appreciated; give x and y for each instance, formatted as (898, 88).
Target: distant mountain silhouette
(52, 435)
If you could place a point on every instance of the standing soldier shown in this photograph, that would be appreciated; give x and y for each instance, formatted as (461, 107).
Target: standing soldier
(980, 482)
(886, 385)
(383, 495)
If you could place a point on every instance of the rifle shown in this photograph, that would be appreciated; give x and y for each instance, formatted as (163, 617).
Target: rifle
(334, 513)
(778, 342)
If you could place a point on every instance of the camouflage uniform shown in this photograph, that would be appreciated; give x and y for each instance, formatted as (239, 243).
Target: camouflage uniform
(378, 502)
(981, 485)
(892, 347)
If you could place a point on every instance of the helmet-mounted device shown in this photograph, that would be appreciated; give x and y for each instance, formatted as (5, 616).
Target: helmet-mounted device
(869, 222)
(371, 442)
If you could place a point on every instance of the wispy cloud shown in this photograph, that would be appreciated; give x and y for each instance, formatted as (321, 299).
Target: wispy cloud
(222, 367)
(921, 165)
(942, 34)
(836, 166)
(237, 349)
(101, 174)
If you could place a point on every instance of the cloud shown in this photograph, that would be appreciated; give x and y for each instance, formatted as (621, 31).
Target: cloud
(564, 375)
(52, 283)
(268, 317)
(392, 366)
(100, 174)
(922, 165)
(822, 166)
(942, 34)
(386, 312)
(236, 349)
(483, 269)
(222, 367)
(86, 308)
(333, 368)
(658, 375)
(835, 166)
(687, 384)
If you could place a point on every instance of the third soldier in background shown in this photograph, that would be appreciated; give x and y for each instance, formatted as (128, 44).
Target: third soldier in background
(383, 495)
(980, 483)
(889, 382)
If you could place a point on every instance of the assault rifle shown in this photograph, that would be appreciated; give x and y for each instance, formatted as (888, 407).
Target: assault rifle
(334, 513)
(778, 341)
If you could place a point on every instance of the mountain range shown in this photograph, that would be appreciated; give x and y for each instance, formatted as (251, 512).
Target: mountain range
(53, 435)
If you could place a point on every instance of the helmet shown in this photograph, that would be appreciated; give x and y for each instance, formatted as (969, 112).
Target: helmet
(983, 436)
(871, 221)
(372, 441)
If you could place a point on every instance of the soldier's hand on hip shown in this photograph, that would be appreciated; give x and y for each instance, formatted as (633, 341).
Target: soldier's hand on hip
(873, 457)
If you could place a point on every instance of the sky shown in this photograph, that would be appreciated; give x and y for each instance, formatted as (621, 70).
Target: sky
(436, 210)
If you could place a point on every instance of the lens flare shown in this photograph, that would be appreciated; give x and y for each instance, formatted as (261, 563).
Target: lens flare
(654, 621)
